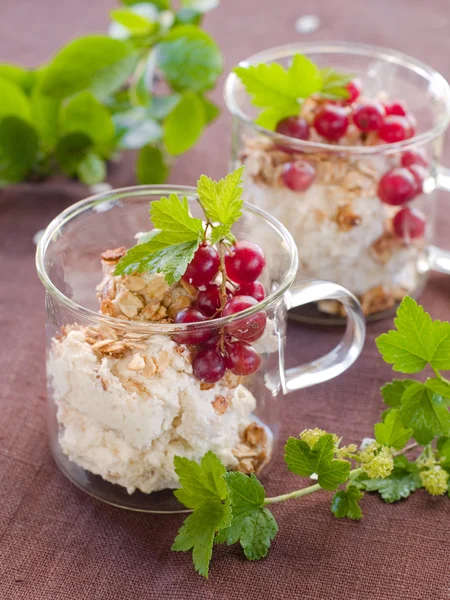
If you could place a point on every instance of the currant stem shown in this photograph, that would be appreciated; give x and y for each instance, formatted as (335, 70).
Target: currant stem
(223, 288)
(441, 377)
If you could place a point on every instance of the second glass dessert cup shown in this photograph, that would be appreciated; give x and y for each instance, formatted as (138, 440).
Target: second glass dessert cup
(122, 399)
(343, 231)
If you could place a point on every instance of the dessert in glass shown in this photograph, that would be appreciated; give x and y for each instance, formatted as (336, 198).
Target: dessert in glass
(145, 365)
(350, 165)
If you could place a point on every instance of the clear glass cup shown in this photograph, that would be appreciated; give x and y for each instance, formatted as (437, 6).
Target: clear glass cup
(114, 427)
(343, 232)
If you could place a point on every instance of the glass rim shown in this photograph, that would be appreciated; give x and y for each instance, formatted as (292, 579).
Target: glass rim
(356, 49)
(78, 208)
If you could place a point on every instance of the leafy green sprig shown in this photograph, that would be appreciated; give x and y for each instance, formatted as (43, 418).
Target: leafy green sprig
(280, 92)
(230, 507)
(143, 87)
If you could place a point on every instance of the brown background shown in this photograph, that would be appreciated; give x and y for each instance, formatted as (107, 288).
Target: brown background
(56, 543)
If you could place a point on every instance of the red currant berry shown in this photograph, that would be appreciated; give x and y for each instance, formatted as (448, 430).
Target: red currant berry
(244, 359)
(208, 366)
(369, 116)
(255, 289)
(395, 107)
(191, 315)
(294, 127)
(298, 176)
(331, 122)
(414, 157)
(203, 267)
(246, 262)
(394, 129)
(208, 300)
(409, 223)
(354, 89)
(419, 173)
(248, 328)
(397, 186)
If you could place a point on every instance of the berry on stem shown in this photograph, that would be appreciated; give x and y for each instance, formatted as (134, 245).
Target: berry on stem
(191, 315)
(419, 173)
(397, 187)
(208, 300)
(249, 328)
(255, 289)
(203, 267)
(414, 157)
(409, 223)
(331, 122)
(294, 127)
(298, 176)
(244, 359)
(395, 107)
(369, 116)
(245, 263)
(208, 366)
(354, 89)
(394, 129)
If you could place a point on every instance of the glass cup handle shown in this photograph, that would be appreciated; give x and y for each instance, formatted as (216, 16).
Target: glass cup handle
(345, 353)
(438, 258)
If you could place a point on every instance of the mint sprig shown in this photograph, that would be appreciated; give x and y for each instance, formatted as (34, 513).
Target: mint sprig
(233, 508)
(280, 92)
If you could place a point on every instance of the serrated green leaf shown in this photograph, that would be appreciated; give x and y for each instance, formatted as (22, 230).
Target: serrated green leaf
(172, 215)
(392, 392)
(22, 77)
(151, 166)
(134, 22)
(184, 125)
(345, 503)
(438, 387)
(334, 83)
(91, 169)
(245, 492)
(403, 480)
(94, 62)
(222, 200)
(304, 461)
(71, 150)
(190, 59)
(391, 432)
(443, 446)
(417, 341)
(425, 412)
(14, 102)
(83, 113)
(202, 482)
(18, 149)
(269, 117)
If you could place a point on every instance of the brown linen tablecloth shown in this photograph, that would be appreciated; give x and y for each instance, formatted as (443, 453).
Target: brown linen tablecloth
(55, 542)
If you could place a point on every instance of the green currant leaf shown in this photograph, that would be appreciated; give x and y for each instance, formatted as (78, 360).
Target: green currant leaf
(403, 480)
(425, 412)
(184, 125)
(151, 165)
(18, 149)
(14, 102)
(91, 169)
(391, 432)
(172, 215)
(392, 392)
(17, 74)
(222, 200)
(71, 151)
(346, 503)
(134, 22)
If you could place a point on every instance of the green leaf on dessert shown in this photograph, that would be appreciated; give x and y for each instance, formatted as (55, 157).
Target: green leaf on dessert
(83, 113)
(22, 77)
(94, 62)
(184, 124)
(14, 102)
(416, 341)
(391, 432)
(203, 489)
(71, 150)
(18, 149)
(91, 169)
(304, 460)
(392, 392)
(151, 165)
(133, 21)
(190, 59)
(334, 84)
(172, 215)
(345, 503)
(425, 411)
(252, 524)
(403, 480)
(222, 200)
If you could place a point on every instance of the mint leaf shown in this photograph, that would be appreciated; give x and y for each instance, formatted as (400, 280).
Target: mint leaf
(14, 102)
(91, 169)
(184, 124)
(392, 392)
(334, 83)
(151, 165)
(425, 412)
(391, 432)
(190, 59)
(304, 461)
(172, 215)
(346, 503)
(403, 480)
(252, 524)
(18, 149)
(96, 62)
(71, 150)
(222, 200)
(83, 113)
(417, 341)
(203, 489)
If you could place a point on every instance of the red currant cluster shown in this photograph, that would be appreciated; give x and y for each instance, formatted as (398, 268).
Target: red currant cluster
(237, 290)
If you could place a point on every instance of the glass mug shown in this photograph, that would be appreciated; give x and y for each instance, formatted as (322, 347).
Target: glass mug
(114, 428)
(344, 233)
